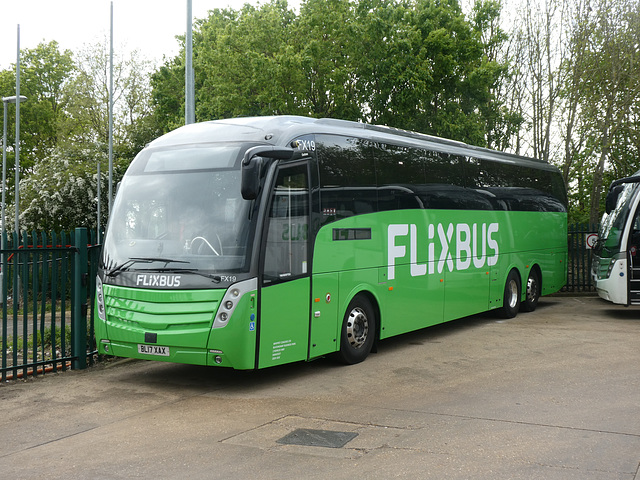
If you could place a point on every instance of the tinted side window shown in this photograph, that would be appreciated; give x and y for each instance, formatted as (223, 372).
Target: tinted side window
(347, 176)
(443, 168)
(398, 170)
(398, 165)
(447, 186)
(518, 187)
(344, 161)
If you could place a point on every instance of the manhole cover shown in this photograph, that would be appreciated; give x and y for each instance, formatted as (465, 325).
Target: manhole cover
(317, 438)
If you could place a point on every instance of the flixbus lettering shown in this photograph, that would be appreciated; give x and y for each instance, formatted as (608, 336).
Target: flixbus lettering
(153, 280)
(470, 243)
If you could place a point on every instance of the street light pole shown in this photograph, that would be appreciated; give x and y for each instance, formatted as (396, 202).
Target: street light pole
(6, 101)
(189, 97)
(17, 161)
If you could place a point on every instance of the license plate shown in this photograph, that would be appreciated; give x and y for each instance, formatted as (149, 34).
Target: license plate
(153, 350)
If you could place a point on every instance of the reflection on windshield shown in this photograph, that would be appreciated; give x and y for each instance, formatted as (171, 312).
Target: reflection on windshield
(612, 225)
(195, 216)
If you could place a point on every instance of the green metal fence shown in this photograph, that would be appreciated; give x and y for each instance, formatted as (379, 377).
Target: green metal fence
(47, 290)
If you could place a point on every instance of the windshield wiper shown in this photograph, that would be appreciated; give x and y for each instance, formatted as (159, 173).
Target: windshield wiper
(195, 271)
(125, 265)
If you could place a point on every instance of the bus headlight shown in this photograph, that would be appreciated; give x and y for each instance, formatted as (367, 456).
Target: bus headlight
(230, 301)
(100, 300)
(618, 257)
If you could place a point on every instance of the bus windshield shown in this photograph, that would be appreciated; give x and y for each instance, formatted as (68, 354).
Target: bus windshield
(612, 225)
(181, 208)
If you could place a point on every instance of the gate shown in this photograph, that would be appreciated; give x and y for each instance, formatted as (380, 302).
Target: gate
(47, 289)
(579, 265)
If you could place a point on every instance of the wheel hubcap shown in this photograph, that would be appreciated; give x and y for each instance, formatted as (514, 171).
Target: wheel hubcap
(513, 294)
(357, 327)
(532, 290)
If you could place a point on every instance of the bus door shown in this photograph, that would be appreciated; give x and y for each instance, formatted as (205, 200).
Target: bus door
(285, 288)
(633, 253)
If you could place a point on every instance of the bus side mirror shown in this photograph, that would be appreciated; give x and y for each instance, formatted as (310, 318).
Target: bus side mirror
(254, 160)
(251, 178)
(612, 198)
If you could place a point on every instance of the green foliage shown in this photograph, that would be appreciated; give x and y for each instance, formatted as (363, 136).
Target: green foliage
(412, 64)
(65, 131)
(61, 193)
(45, 71)
(427, 70)
(603, 76)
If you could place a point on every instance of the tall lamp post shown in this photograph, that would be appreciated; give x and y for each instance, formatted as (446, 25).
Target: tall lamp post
(5, 101)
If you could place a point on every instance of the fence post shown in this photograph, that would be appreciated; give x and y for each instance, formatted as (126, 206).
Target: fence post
(79, 329)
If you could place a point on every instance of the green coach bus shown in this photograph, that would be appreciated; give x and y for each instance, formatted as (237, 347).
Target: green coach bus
(254, 242)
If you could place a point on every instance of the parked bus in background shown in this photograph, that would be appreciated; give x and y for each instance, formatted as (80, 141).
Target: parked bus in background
(616, 261)
(254, 242)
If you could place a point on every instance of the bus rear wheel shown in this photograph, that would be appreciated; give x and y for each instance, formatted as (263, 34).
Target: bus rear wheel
(533, 292)
(358, 331)
(511, 301)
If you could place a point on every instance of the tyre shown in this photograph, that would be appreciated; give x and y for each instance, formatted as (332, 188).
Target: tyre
(358, 331)
(511, 301)
(533, 292)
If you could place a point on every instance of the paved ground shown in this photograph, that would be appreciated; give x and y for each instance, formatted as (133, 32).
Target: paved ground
(553, 394)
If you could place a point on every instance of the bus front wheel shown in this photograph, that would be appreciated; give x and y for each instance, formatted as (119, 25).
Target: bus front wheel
(511, 301)
(358, 331)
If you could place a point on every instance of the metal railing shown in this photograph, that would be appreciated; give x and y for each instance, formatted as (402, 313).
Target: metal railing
(47, 302)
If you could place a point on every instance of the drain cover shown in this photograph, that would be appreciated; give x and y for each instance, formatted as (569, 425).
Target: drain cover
(317, 438)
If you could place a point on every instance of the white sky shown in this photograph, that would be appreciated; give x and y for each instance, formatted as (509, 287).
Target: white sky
(149, 26)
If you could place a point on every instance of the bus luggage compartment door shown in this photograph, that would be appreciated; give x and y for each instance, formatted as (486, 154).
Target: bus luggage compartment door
(284, 322)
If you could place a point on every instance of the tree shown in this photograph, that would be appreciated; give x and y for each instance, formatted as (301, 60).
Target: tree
(69, 115)
(571, 124)
(422, 65)
(413, 64)
(61, 193)
(86, 121)
(502, 114)
(611, 91)
(44, 74)
(243, 62)
(167, 97)
(324, 65)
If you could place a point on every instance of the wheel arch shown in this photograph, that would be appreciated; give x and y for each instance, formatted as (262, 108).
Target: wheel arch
(369, 294)
(513, 267)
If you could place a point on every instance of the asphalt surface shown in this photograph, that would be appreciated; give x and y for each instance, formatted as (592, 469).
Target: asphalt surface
(553, 394)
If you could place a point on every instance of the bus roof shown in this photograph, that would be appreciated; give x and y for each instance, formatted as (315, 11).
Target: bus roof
(280, 130)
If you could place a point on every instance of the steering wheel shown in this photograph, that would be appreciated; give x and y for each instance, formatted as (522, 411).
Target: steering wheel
(205, 242)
